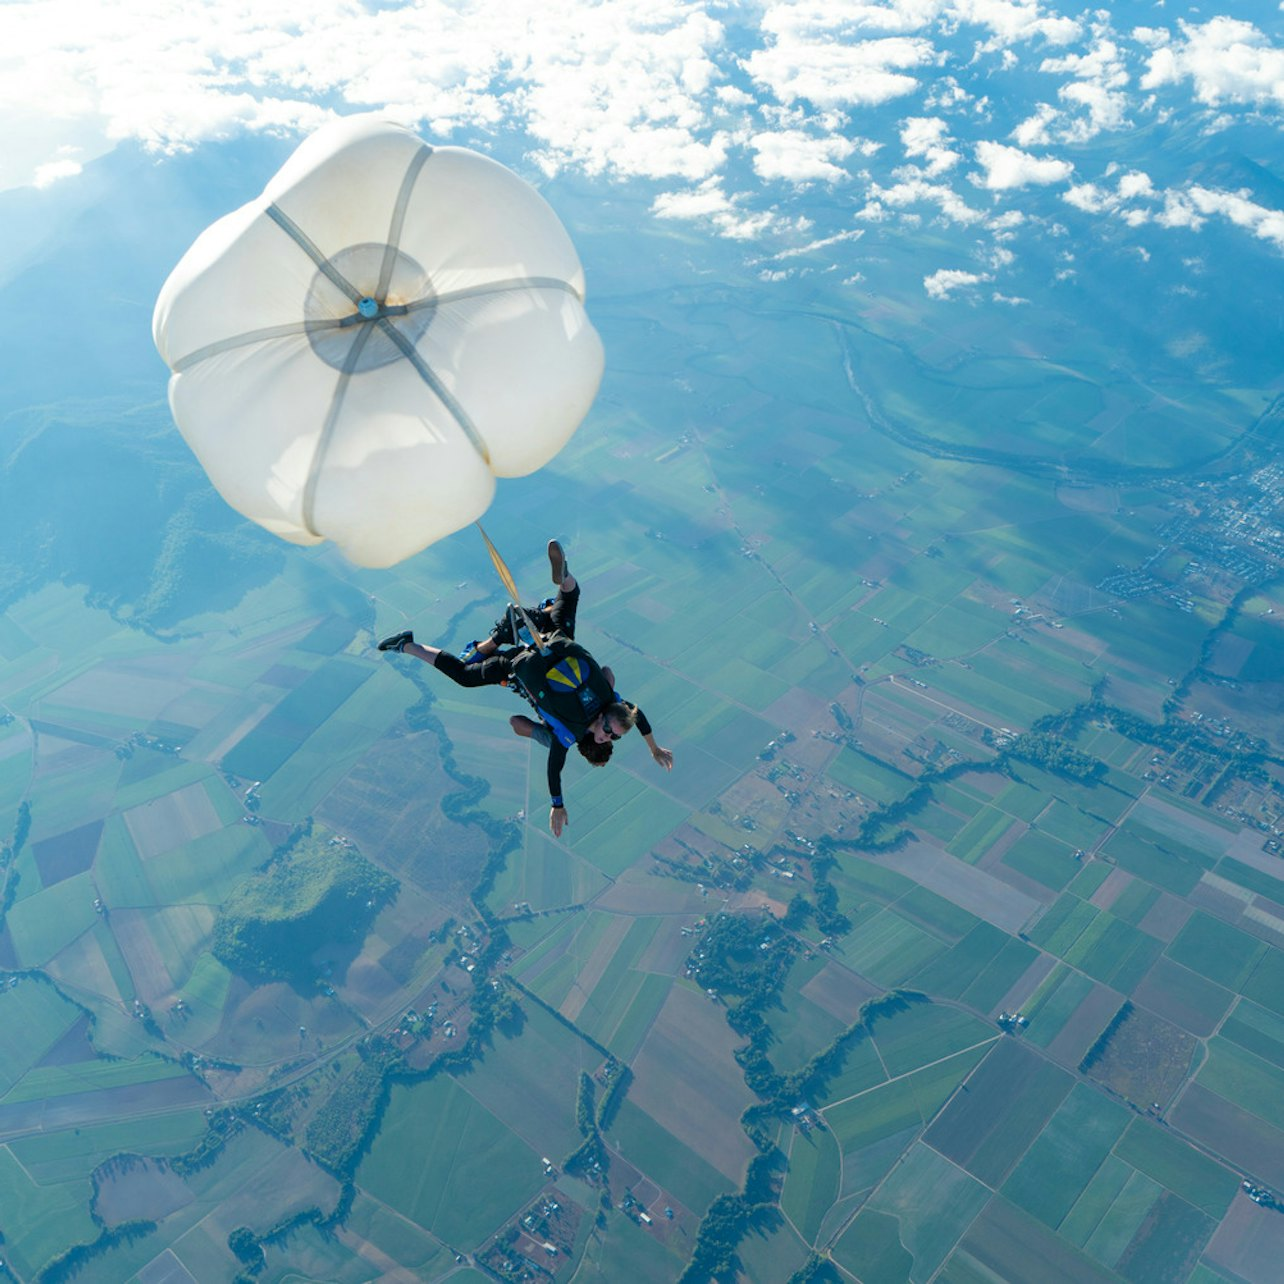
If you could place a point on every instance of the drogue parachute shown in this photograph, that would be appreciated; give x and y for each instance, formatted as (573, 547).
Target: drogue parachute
(361, 351)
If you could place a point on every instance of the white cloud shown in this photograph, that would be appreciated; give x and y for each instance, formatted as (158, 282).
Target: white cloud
(1179, 211)
(1090, 198)
(631, 88)
(1135, 184)
(795, 157)
(1093, 100)
(48, 174)
(1013, 21)
(829, 73)
(823, 244)
(1268, 224)
(1226, 59)
(916, 190)
(943, 283)
(945, 94)
(1132, 185)
(1106, 109)
(724, 214)
(928, 136)
(686, 95)
(1035, 131)
(1009, 167)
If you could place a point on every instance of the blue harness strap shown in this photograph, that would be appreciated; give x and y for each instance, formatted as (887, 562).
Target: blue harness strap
(559, 729)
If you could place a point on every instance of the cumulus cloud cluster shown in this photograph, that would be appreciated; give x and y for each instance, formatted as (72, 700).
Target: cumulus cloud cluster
(964, 112)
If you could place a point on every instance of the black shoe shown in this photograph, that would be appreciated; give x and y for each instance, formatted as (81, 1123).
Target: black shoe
(397, 642)
(557, 562)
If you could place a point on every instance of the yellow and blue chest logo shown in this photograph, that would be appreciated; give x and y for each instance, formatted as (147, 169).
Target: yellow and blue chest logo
(568, 674)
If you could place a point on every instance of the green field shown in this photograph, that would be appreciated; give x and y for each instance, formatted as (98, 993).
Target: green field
(1256, 1030)
(869, 777)
(1200, 1181)
(1059, 1165)
(672, 1165)
(861, 1069)
(1233, 1072)
(1265, 984)
(950, 974)
(905, 1103)
(936, 913)
(1053, 1004)
(1045, 859)
(74, 1153)
(447, 1143)
(1086, 1221)
(925, 1033)
(980, 834)
(799, 1028)
(43, 924)
(1217, 951)
(40, 1220)
(302, 712)
(811, 1186)
(889, 948)
(1113, 952)
(1007, 1103)
(47, 1082)
(929, 1202)
(1158, 861)
(529, 1081)
(1064, 923)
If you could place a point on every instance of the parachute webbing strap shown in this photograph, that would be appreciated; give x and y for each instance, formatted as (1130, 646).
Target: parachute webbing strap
(496, 287)
(313, 251)
(393, 242)
(283, 331)
(506, 578)
(442, 393)
(327, 430)
(288, 328)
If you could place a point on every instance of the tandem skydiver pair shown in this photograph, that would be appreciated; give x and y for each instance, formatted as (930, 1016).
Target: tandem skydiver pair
(534, 651)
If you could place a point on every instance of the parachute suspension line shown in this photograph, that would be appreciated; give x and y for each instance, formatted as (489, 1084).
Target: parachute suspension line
(514, 598)
(327, 430)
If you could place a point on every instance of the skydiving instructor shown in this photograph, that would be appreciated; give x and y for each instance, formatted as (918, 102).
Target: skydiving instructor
(573, 695)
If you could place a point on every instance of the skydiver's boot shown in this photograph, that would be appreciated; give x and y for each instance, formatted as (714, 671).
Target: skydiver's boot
(397, 642)
(557, 562)
(471, 653)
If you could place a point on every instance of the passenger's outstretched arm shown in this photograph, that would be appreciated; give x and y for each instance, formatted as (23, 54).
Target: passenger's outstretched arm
(557, 818)
(662, 756)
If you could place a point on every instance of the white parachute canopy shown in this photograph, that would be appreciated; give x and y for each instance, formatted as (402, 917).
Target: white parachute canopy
(362, 350)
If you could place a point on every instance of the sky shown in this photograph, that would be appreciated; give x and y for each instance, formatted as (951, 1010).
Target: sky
(789, 127)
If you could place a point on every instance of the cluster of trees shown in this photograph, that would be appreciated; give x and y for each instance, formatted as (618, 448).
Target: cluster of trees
(73, 1260)
(1102, 1041)
(1055, 754)
(337, 1131)
(824, 909)
(9, 854)
(589, 1159)
(311, 893)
